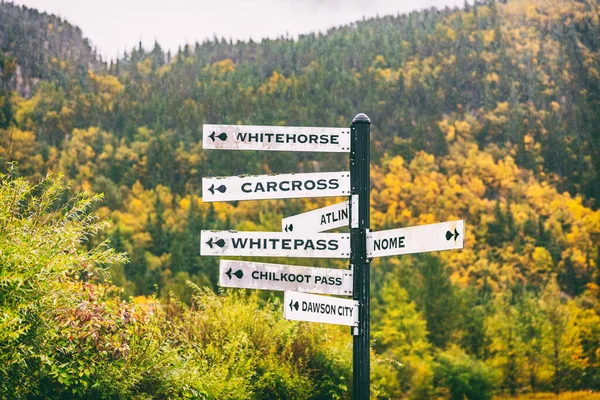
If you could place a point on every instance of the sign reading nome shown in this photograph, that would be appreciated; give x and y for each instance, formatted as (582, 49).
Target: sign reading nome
(280, 138)
(416, 239)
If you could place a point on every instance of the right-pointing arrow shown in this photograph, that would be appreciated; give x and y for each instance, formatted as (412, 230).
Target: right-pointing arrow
(450, 235)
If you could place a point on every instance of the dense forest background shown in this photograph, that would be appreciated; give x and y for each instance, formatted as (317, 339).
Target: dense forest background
(489, 113)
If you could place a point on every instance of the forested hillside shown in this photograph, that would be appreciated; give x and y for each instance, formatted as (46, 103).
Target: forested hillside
(490, 114)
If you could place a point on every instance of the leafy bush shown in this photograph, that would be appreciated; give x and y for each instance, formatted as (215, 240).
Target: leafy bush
(65, 332)
(463, 376)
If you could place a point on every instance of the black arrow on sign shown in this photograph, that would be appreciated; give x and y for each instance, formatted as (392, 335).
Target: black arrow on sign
(292, 305)
(222, 136)
(239, 274)
(289, 228)
(220, 243)
(221, 189)
(449, 235)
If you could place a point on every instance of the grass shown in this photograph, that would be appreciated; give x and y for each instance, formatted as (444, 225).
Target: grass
(552, 396)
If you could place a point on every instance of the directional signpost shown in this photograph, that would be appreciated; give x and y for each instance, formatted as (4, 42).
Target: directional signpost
(253, 275)
(315, 308)
(319, 220)
(281, 138)
(301, 234)
(285, 186)
(274, 244)
(416, 239)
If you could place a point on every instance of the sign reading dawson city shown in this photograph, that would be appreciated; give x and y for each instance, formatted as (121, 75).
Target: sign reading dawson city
(319, 220)
(284, 186)
(274, 244)
(254, 275)
(281, 138)
(314, 308)
(416, 239)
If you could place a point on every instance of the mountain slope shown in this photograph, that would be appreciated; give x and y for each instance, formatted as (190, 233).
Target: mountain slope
(40, 43)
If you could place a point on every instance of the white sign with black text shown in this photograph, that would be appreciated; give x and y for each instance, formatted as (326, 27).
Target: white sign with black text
(315, 308)
(254, 275)
(284, 186)
(274, 244)
(416, 239)
(280, 138)
(319, 220)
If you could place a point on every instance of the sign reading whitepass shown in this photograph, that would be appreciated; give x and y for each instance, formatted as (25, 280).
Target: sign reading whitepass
(281, 138)
(314, 308)
(284, 186)
(254, 275)
(416, 239)
(274, 244)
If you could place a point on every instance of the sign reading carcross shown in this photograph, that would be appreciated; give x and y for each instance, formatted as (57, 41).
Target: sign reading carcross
(285, 186)
(282, 138)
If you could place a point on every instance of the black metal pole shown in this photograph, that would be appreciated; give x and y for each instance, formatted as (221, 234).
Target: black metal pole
(360, 174)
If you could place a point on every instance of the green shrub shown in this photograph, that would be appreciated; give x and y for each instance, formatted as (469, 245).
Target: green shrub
(66, 333)
(463, 376)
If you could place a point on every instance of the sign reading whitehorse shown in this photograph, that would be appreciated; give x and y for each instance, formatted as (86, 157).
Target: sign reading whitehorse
(319, 220)
(285, 186)
(314, 308)
(282, 138)
(416, 239)
(274, 244)
(253, 275)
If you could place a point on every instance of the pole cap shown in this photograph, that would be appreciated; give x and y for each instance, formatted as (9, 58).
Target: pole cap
(361, 117)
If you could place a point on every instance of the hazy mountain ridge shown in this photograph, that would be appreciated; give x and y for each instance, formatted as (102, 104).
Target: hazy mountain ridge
(40, 42)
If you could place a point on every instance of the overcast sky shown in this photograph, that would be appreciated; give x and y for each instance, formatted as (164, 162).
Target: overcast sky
(116, 25)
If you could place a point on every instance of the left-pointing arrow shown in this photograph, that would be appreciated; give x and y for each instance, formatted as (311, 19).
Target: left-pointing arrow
(222, 136)
(219, 242)
(238, 274)
(221, 189)
(293, 305)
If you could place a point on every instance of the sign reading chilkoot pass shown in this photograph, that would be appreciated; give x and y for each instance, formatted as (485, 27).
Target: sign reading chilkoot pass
(284, 186)
(319, 220)
(314, 308)
(274, 244)
(282, 138)
(416, 239)
(254, 275)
